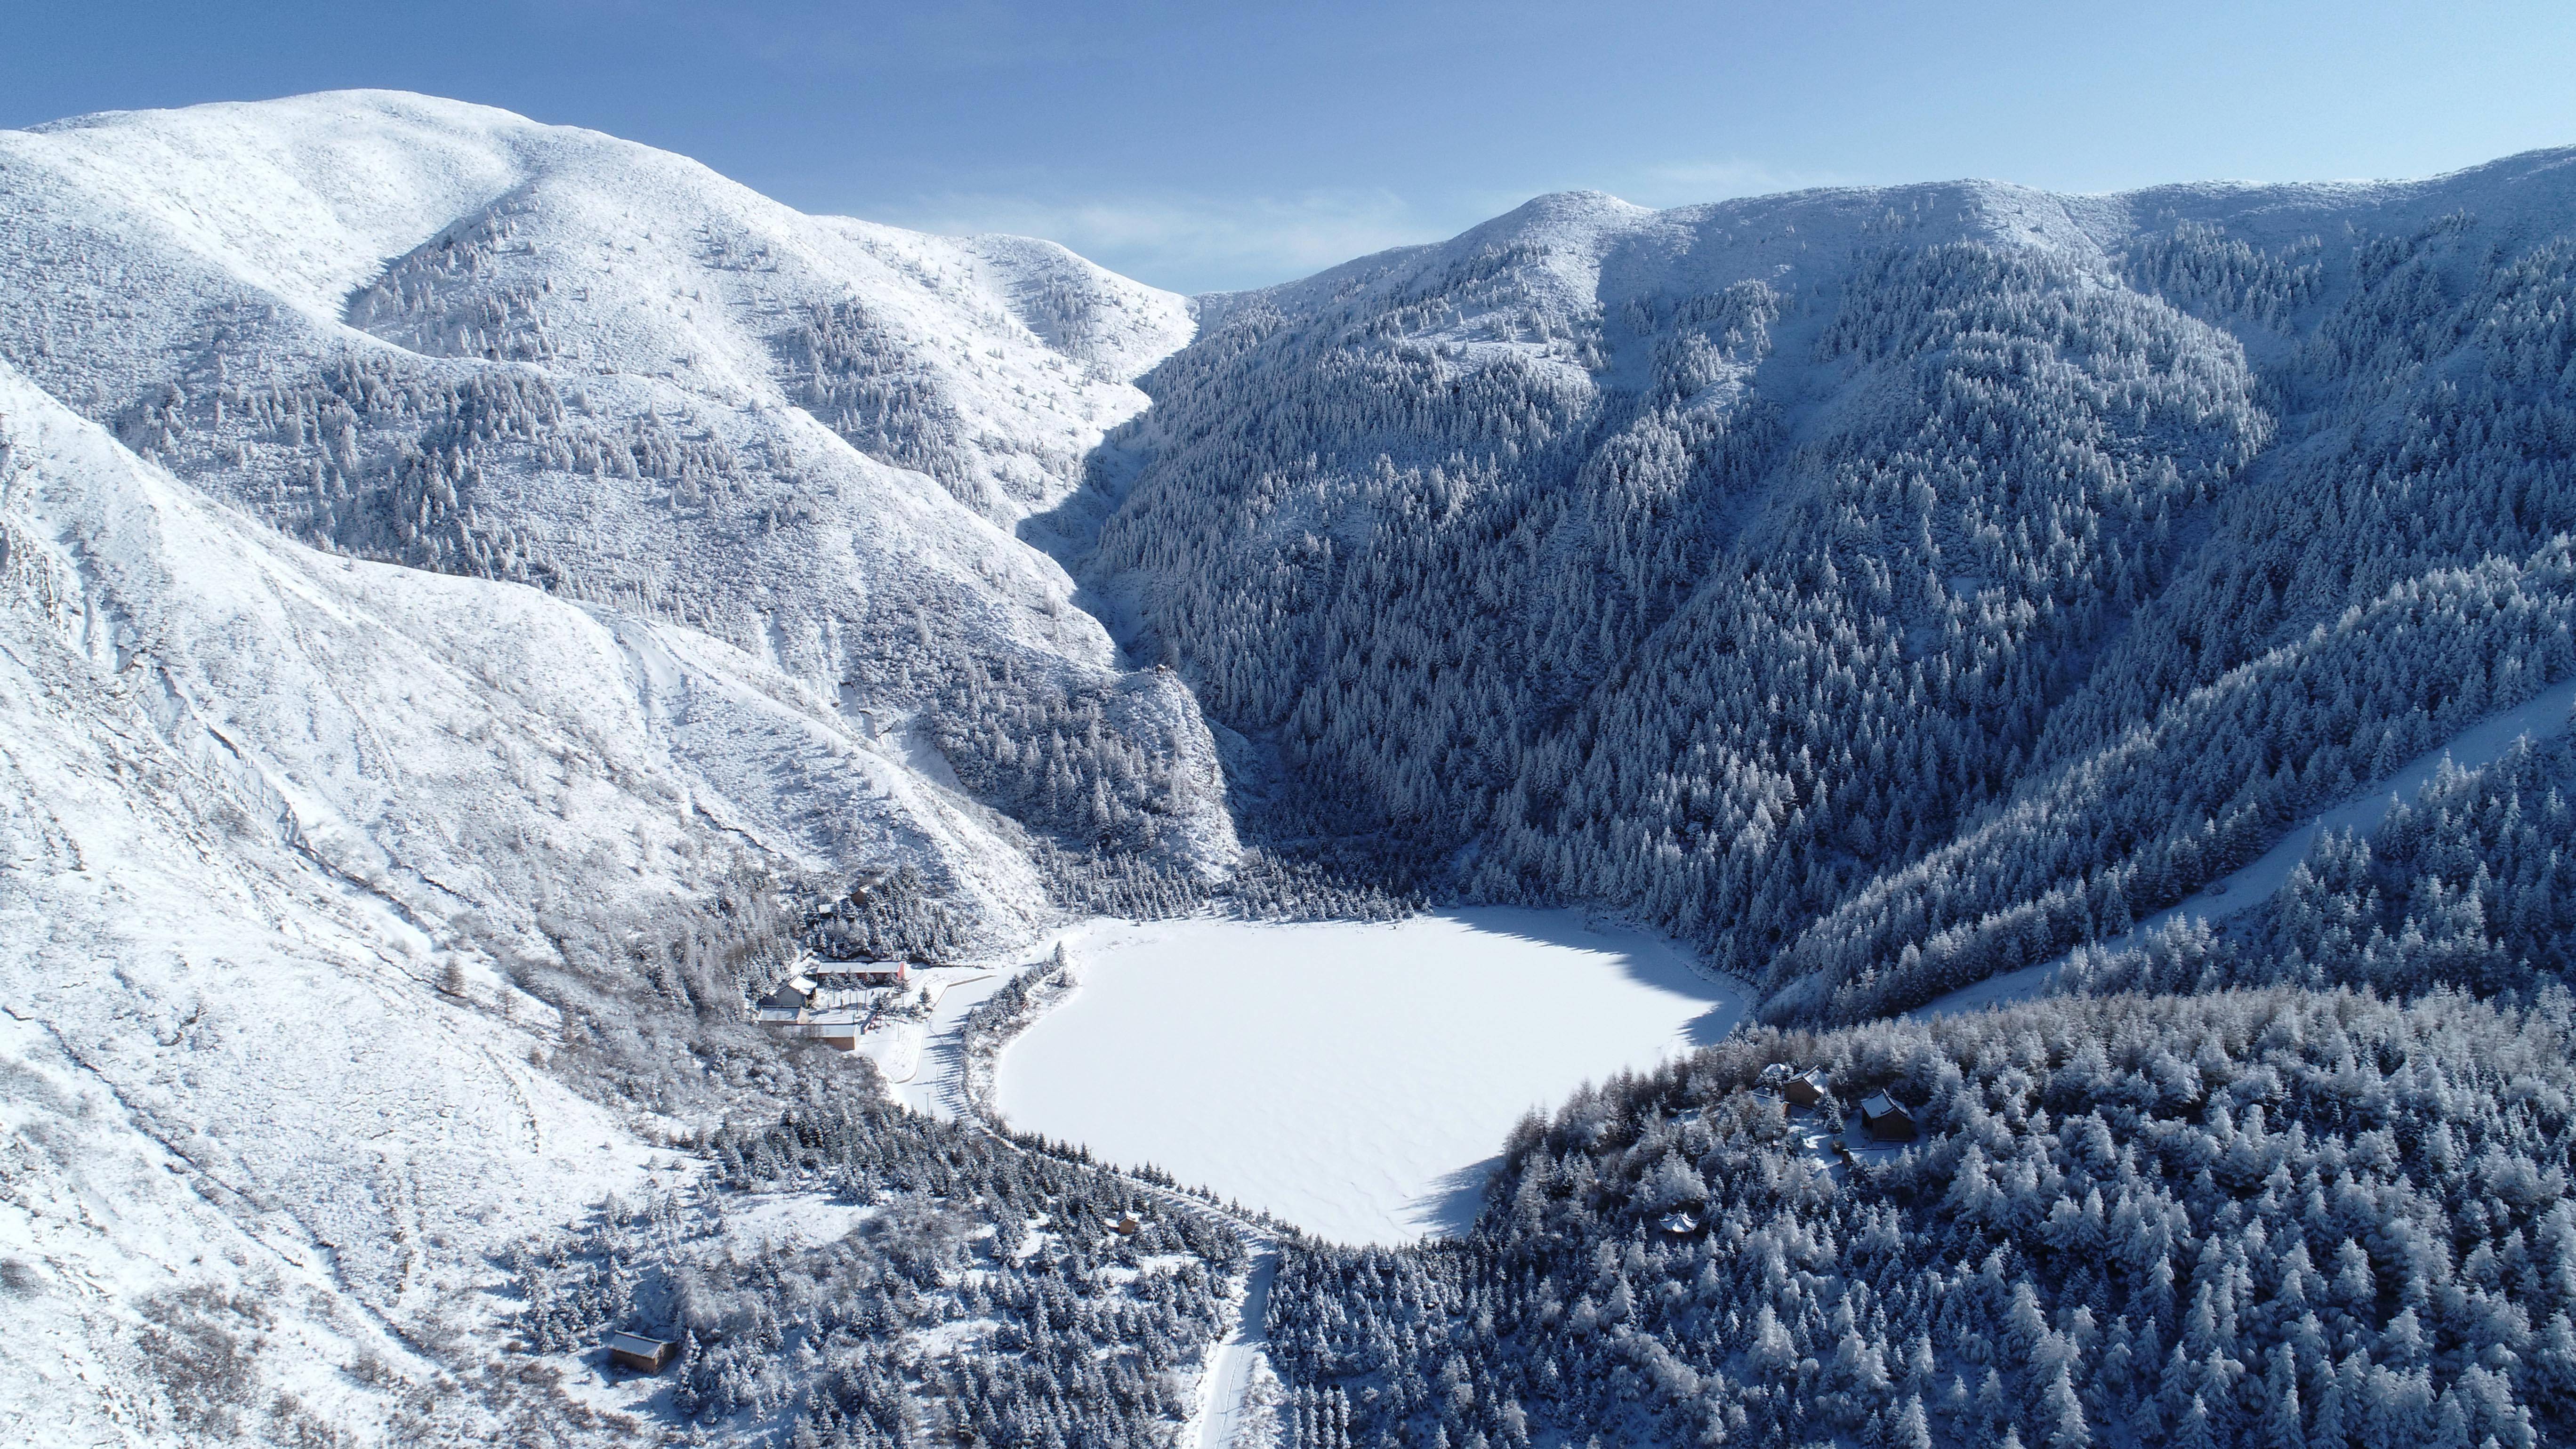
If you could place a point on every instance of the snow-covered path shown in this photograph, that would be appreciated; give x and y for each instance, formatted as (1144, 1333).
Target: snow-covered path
(2543, 717)
(936, 1084)
(1229, 1374)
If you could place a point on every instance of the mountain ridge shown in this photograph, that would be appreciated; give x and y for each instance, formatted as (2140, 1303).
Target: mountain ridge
(473, 587)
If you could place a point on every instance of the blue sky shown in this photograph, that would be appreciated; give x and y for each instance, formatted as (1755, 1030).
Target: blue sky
(1214, 145)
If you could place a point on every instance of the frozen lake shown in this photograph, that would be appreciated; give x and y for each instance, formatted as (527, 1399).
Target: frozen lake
(1357, 1080)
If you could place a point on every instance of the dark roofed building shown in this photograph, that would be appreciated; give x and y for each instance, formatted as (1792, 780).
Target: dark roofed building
(1887, 1120)
(635, 1351)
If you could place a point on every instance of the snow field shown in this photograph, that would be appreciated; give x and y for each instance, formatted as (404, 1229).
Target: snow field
(1352, 1079)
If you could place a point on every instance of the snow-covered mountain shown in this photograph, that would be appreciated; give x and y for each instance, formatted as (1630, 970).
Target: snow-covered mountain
(1880, 587)
(1892, 589)
(435, 543)
(454, 571)
(445, 336)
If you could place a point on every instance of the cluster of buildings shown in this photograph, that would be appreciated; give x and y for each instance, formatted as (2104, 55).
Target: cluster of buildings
(831, 1001)
(1881, 1116)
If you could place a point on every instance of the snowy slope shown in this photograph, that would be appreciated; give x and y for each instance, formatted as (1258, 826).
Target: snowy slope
(235, 1073)
(654, 602)
(410, 215)
(446, 336)
(259, 799)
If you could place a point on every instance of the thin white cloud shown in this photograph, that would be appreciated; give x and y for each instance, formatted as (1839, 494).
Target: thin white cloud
(1191, 244)
(1218, 243)
(1685, 183)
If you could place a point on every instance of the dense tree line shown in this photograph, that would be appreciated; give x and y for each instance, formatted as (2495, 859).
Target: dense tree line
(1264, 886)
(2470, 886)
(2202, 789)
(2278, 1217)
(986, 1296)
(1906, 615)
(2403, 572)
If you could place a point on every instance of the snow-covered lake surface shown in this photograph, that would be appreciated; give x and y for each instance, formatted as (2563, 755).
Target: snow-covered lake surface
(1357, 1080)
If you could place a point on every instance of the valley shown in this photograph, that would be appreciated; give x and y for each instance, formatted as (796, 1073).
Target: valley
(486, 608)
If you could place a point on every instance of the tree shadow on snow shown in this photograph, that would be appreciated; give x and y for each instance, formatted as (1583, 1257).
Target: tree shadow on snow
(1663, 965)
(1712, 1025)
(1450, 1208)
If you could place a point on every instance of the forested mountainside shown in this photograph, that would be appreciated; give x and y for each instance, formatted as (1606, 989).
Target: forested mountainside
(1888, 591)
(1882, 589)
(374, 947)
(473, 594)
(2294, 1185)
(357, 923)
(2275, 1217)
(443, 336)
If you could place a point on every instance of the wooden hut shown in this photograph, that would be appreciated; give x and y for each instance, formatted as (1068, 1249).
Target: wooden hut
(1886, 1120)
(635, 1351)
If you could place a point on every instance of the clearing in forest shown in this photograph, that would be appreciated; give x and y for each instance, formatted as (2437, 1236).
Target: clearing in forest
(1354, 1079)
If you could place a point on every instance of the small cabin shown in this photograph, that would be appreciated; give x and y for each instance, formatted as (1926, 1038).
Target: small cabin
(1886, 1120)
(838, 1028)
(786, 1003)
(635, 1351)
(1128, 1227)
(838, 1035)
(1798, 1089)
(863, 975)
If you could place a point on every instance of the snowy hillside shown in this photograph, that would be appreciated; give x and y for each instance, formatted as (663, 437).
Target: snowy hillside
(347, 888)
(1794, 570)
(444, 336)
(257, 801)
